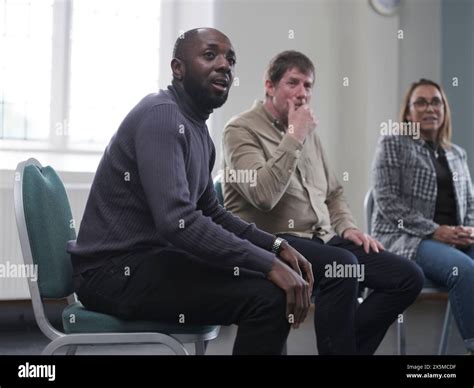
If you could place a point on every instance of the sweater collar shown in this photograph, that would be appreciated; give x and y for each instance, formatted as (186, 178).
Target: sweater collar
(186, 103)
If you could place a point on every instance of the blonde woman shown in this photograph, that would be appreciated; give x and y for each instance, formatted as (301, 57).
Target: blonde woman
(424, 202)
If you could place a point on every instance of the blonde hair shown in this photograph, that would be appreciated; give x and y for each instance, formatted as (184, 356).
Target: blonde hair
(443, 137)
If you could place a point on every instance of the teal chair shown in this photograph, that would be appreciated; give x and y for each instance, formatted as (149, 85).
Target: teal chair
(218, 189)
(44, 222)
(428, 288)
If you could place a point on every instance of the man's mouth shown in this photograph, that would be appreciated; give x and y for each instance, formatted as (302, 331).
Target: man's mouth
(299, 103)
(221, 84)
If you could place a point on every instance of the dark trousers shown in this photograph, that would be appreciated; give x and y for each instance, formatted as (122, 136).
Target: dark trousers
(175, 287)
(342, 325)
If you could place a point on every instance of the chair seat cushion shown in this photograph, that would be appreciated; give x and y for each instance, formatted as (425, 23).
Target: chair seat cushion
(432, 285)
(77, 319)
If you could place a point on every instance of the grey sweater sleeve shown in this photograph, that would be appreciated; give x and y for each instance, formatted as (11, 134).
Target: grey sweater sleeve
(211, 208)
(161, 154)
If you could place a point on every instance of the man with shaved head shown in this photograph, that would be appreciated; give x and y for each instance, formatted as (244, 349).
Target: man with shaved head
(155, 244)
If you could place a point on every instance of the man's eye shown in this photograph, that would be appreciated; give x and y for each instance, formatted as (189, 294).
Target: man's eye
(209, 55)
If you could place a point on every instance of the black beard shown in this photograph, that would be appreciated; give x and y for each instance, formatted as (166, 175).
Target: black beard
(202, 96)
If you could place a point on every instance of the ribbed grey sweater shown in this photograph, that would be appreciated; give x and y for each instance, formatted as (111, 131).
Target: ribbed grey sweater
(153, 189)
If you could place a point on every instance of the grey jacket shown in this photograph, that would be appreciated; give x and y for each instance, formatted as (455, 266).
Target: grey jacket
(405, 190)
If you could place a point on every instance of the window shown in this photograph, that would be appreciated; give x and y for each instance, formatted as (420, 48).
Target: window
(25, 68)
(73, 70)
(114, 63)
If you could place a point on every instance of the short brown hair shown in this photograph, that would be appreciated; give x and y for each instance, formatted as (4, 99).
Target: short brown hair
(286, 60)
(443, 137)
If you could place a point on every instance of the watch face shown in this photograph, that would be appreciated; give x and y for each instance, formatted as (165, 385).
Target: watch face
(386, 7)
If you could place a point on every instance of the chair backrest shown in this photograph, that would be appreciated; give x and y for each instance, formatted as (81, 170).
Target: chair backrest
(45, 225)
(218, 189)
(369, 209)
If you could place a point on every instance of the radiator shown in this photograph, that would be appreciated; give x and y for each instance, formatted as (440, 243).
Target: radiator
(77, 187)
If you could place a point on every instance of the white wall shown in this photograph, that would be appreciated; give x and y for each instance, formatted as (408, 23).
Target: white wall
(420, 50)
(458, 62)
(178, 16)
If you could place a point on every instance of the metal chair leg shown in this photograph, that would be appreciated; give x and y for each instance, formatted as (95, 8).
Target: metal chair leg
(365, 293)
(443, 344)
(401, 336)
(201, 347)
(71, 350)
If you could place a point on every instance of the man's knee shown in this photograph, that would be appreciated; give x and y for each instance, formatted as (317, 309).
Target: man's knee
(271, 295)
(269, 300)
(344, 270)
(414, 278)
(345, 257)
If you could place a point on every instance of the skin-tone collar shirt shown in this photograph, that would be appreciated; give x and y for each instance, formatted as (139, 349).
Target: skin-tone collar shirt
(281, 185)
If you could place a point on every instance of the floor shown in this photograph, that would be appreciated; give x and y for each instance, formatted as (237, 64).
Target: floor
(19, 334)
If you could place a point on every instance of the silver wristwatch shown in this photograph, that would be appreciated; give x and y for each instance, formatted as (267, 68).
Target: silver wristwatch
(277, 244)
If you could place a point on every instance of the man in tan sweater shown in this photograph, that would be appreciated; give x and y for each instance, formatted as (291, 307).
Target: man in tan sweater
(296, 196)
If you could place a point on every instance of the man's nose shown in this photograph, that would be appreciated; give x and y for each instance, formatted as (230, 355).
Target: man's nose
(222, 63)
(302, 93)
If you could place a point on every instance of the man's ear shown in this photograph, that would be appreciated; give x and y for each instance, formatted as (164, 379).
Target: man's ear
(269, 88)
(178, 69)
